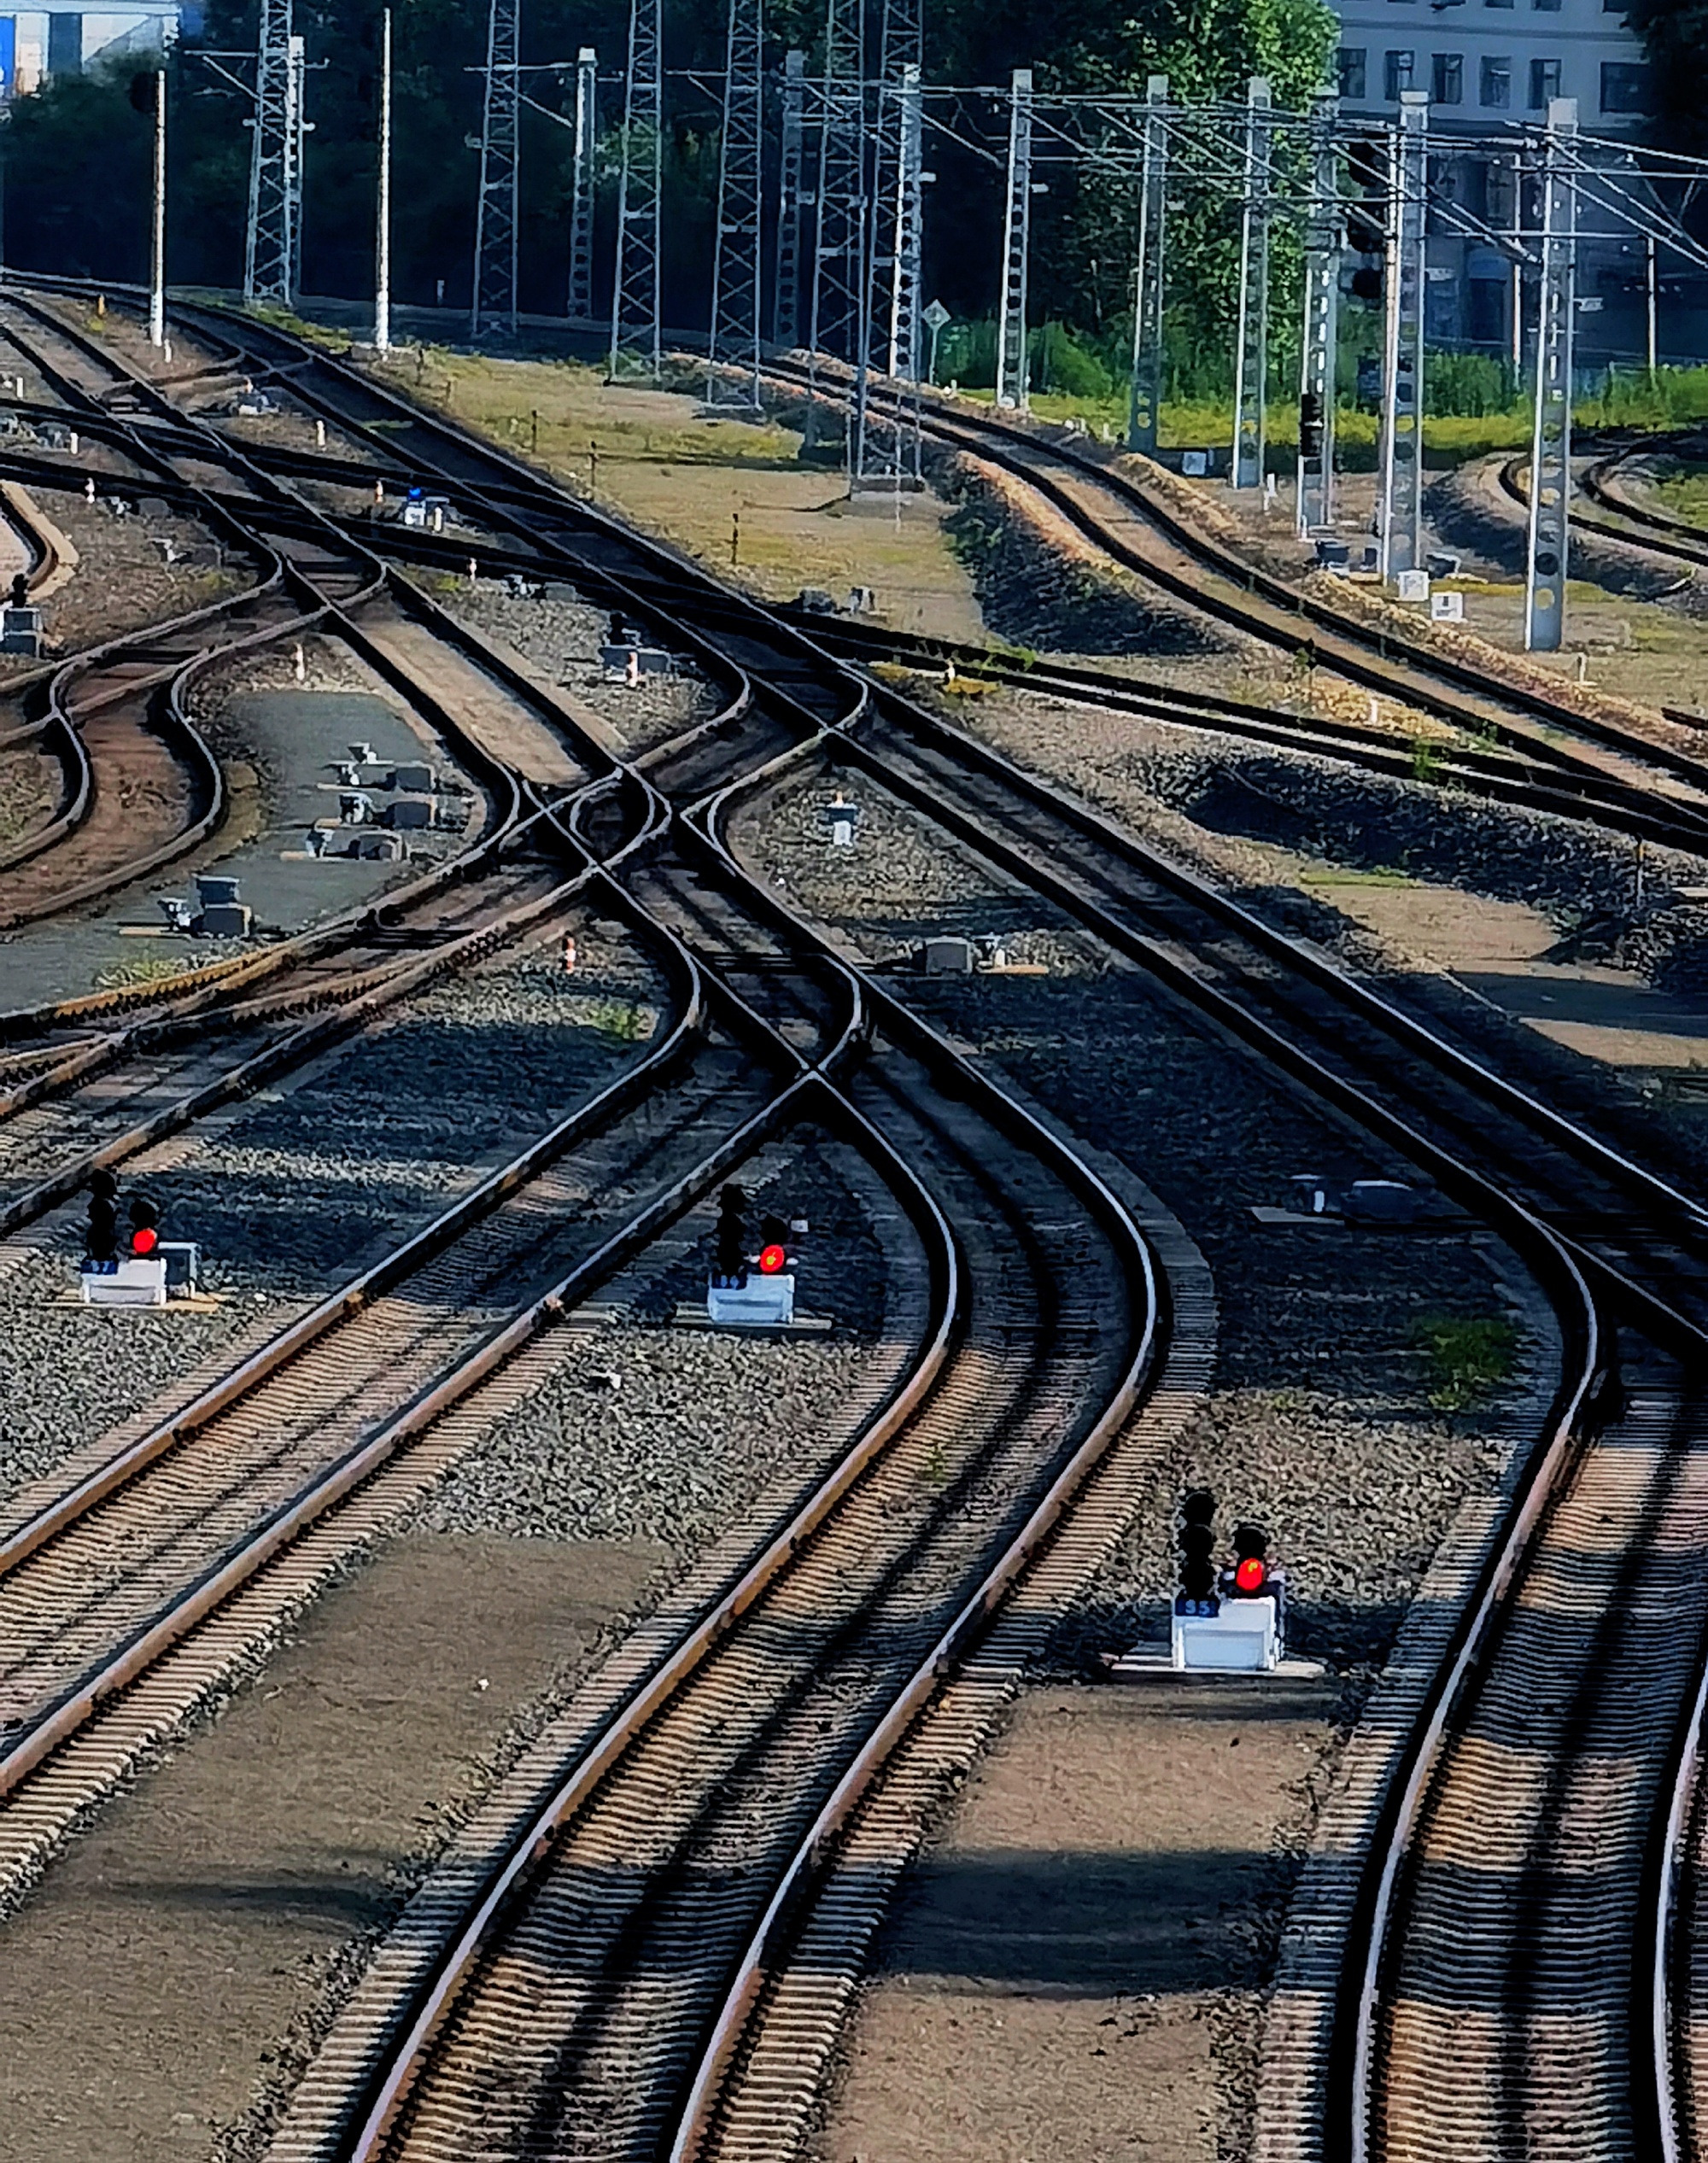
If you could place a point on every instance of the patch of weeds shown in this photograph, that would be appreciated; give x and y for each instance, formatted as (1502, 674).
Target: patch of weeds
(154, 969)
(1470, 1357)
(1425, 759)
(960, 687)
(629, 1023)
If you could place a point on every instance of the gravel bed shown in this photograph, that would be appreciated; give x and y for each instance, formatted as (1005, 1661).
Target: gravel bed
(1322, 1416)
(298, 1189)
(704, 1441)
(698, 1412)
(68, 1372)
(123, 581)
(1582, 880)
(914, 883)
(557, 631)
(28, 791)
(1033, 591)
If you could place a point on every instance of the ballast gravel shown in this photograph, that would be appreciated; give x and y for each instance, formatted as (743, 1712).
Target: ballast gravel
(562, 635)
(293, 1192)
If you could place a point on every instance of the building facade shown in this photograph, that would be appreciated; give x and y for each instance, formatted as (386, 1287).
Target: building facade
(65, 40)
(1486, 65)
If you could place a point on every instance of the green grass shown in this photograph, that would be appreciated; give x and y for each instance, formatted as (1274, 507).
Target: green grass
(1470, 1358)
(1686, 495)
(1333, 875)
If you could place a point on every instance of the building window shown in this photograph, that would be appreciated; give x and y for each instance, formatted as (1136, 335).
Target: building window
(1497, 83)
(1447, 78)
(1624, 86)
(1397, 74)
(1352, 71)
(1544, 83)
(1546, 7)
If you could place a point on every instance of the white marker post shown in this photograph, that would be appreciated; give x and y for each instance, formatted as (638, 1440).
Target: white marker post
(157, 260)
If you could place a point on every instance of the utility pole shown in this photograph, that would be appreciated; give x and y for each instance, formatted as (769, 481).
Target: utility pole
(492, 303)
(1550, 529)
(635, 333)
(1324, 236)
(270, 250)
(1401, 498)
(1654, 287)
(1011, 357)
(1251, 356)
(785, 293)
(581, 188)
(382, 217)
(157, 252)
(1144, 395)
(735, 255)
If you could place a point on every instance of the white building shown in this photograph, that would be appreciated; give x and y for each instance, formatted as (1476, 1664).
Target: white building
(63, 40)
(1485, 64)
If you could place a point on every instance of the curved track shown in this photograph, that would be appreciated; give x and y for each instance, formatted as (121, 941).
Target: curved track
(490, 2014)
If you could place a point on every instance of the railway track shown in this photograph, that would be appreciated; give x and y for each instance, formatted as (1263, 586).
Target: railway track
(1624, 1457)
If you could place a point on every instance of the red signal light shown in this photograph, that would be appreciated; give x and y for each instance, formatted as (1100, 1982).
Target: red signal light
(773, 1260)
(145, 1240)
(1250, 1576)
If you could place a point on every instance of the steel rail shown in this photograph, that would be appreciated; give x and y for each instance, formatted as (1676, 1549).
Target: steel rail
(1410, 678)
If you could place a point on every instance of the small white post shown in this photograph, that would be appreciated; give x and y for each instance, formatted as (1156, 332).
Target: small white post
(382, 224)
(157, 260)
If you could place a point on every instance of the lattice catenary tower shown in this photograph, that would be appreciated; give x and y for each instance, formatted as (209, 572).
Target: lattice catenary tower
(493, 302)
(635, 336)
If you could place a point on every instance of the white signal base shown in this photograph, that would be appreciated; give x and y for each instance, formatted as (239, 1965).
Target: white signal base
(1244, 1638)
(763, 1302)
(138, 1281)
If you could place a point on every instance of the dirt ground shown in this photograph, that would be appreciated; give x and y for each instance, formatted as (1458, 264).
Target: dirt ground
(1052, 1985)
(732, 492)
(216, 1893)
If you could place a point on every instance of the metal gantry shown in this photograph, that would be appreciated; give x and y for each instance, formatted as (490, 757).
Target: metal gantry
(270, 250)
(791, 199)
(735, 281)
(1319, 345)
(1011, 353)
(895, 203)
(492, 305)
(841, 289)
(1551, 430)
(1401, 499)
(1251, 357)
(636, 337)
(581, 184)
(1144, 397)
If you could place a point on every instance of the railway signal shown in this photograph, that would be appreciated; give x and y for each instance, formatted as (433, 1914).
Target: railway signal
(752, 1292)
(730, 1253)
(1250, 1576)
(1195, 1535)
(145, 1226)
(101, 1241)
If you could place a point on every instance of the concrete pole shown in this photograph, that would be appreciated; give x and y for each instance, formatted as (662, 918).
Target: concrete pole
(157, 256)
(383, 220)
(1654, 306)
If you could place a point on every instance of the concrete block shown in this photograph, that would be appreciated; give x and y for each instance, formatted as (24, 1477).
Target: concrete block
(947, 957)
(380, 848)
(225, 920)
(134, 1281)
(763, 1302)
(1242, 1638)
(413, 813)
(415, 780)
